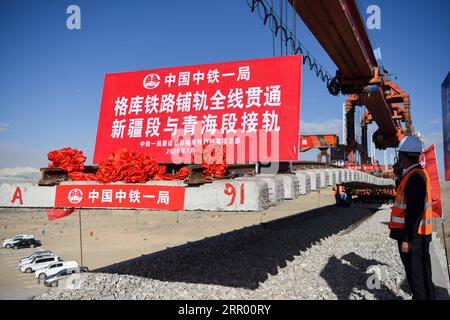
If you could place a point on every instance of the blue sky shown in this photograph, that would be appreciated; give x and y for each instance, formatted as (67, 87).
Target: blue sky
(51, 78)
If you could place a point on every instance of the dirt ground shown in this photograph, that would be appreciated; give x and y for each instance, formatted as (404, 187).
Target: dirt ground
(113, 236)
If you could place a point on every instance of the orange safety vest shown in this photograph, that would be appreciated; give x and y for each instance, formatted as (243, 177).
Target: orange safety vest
(398, 210)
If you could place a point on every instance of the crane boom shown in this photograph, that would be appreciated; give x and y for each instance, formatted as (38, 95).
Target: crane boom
(339, 28)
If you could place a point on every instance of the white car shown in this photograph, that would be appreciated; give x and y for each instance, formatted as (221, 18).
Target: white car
(39, 263)
(54, 268)
(8, 243)
(68, 276)
(29, 259)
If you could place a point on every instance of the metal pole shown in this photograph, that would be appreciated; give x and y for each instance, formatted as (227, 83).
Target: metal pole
(286, 14)
(281, 25)
(445, 247)
(81, 236)
(318, 198)
(273, 33)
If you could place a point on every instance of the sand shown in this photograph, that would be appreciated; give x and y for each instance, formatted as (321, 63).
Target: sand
(111, 236)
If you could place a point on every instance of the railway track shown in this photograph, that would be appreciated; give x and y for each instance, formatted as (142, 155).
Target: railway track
(364, 191)
(53, 176)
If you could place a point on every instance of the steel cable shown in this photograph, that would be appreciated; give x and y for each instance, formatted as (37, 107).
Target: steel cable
(268, 16)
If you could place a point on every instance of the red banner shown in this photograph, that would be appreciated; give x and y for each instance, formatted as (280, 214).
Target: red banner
(120, 196)
(430, 166)
(305, 143)
(317, 141)
(54, 214)
(250, 107)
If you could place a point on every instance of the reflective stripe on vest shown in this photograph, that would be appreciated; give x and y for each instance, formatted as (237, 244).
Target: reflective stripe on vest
(399, 205)
(398, 220)
(398, 211)
(426, 222)
(402, 220)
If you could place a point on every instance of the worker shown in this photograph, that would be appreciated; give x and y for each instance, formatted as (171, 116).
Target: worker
(342, 196)
(411, 218)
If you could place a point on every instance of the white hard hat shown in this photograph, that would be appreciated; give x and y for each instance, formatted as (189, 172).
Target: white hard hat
(410, 144)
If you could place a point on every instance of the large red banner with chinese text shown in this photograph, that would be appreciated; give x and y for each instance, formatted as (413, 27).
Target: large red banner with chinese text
(250, 107)
(120, 196)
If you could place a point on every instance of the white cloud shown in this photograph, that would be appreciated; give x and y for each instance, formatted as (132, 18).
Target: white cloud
(20, 174)
(4, 127)
(433, 138)
(435, 122)
(18, 171)
(15, 155)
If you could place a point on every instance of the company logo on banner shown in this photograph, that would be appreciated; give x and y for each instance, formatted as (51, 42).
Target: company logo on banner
(250, 108)
(120, 196)
(151, 81)
(75, 196)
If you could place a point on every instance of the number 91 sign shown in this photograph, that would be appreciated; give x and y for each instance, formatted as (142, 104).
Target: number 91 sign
(236, 196)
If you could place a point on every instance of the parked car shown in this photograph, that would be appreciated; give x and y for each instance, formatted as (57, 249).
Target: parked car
(28, 259)
(7, 243)
(54, 268)
(54, 280)
(34, 259)
(39, 263)
(25, 243)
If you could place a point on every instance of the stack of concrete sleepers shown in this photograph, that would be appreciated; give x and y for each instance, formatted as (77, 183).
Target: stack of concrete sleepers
(336, 175)
(291, 185)
(276, 187)
(331, 177)
(324, 177)
(210, 196)
(342, 175)
(304, 182)
(348, 175)
(315, 179)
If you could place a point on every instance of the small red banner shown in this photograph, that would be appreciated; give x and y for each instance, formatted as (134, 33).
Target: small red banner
(430, 165)
(305, 143)
(120, 196)
(54, 214)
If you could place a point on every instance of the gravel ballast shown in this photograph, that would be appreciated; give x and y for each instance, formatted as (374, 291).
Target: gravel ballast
(333, 253)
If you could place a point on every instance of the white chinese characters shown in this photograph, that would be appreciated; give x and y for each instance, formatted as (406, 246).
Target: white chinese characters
(132, 197)
(154, 114)
(176, 107)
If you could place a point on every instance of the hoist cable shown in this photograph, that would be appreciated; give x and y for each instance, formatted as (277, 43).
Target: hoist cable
(268, 16)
